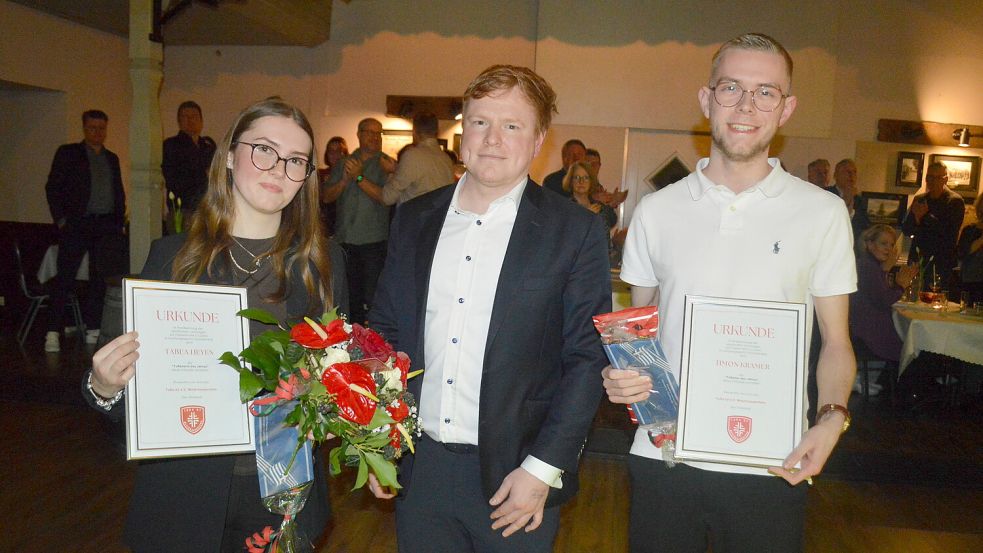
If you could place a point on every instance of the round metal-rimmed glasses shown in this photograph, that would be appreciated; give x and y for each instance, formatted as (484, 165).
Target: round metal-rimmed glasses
(265, 157)
(765, 98)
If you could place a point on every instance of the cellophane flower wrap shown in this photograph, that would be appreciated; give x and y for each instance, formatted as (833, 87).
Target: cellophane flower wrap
(630, 341)
(337, 379)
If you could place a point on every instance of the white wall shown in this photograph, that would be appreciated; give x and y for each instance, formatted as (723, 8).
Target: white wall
(32, 124)
(615, 66)
(89, 67)
(376, 49)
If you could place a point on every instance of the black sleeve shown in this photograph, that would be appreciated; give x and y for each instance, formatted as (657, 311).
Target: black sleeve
(339, 277)
(56, 187)
(382, 316)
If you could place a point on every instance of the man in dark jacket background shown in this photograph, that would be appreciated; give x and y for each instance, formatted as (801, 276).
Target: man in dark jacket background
(87, 203)
(187, 157)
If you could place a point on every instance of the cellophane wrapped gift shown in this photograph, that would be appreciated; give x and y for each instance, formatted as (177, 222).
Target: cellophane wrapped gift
(286, 474)
(630, 339)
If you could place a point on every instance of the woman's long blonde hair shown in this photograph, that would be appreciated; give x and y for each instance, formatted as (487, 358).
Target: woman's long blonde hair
(300, 242)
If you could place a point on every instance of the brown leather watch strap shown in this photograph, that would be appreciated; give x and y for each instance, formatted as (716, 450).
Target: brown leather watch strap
(829, 408)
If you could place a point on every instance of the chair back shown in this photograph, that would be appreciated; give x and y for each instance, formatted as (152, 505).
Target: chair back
(21, 276)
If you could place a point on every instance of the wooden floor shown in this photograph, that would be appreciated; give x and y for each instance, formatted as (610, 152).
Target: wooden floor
(66, 484)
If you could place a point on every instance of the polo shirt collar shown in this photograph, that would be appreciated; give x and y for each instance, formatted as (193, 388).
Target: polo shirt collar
(770, 186)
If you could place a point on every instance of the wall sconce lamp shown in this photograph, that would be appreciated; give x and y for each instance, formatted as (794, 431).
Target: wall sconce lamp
(962, 136)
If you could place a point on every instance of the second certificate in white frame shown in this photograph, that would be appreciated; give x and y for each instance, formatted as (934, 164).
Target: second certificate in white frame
(742, 381)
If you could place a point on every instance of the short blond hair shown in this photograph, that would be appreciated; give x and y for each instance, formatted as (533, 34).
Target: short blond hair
(872, 232)
(502, 78)
(758, 42)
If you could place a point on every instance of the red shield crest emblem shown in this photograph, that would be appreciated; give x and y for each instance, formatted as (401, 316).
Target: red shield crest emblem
(193, 418)
(738, 428)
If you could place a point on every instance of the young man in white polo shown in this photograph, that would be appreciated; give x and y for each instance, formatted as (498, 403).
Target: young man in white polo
(738, 227)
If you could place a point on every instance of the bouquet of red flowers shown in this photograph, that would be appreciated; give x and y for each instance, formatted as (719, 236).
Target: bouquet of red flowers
(336, 379)
(343, 380)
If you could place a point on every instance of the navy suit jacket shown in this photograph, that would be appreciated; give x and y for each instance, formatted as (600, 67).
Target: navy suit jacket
(541, 380)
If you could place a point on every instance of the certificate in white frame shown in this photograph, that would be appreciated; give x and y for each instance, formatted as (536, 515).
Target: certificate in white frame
(742, 381)
(181, 400)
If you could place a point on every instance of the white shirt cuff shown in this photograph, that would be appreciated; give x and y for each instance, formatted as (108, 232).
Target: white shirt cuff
(546, 472)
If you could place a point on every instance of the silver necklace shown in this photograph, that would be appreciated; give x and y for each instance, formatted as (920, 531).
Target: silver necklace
(257, 261)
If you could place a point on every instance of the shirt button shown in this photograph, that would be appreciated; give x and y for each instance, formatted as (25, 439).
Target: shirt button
(460, 300)
(467, 257)
(450, 380)
(479, 222)
(733, 208)
(447, 421)
(453, 340)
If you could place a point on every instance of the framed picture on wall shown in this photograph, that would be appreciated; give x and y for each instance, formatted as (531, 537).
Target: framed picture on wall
(393, 141)
(910, 168)
(964, 173)
(886, 208)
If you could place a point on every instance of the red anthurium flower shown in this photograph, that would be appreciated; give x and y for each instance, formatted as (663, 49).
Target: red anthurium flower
(303, 334)
(399, 412)
(352, 405)
(372, 345)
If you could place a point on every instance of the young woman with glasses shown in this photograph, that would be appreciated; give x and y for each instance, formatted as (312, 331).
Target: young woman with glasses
(257, 226)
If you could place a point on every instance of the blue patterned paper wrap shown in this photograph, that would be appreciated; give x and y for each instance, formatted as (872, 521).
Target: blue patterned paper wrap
(646, 354)
(275, 445)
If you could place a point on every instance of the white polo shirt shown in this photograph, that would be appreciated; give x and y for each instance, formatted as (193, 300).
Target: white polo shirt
(782, 239)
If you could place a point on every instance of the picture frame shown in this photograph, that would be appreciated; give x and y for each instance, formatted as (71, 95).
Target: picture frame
(964, 173)
(885, 208)
(394, 140)
(911, 168)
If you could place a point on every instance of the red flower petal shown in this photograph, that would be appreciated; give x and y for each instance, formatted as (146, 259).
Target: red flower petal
(303, 334)
(395, 439)
(399, 412)
(352, 405)
(403, 364)
(373, 345)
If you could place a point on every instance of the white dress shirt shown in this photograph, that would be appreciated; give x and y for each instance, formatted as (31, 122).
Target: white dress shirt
(463, 279)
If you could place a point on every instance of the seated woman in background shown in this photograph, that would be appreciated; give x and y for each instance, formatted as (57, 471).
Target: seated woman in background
(877, 290)
(970, 252)
(257, 227)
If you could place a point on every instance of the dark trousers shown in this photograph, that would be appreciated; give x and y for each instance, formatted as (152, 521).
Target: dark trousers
(444, 509)
(101, 236)
(679, 509)
(363, 265)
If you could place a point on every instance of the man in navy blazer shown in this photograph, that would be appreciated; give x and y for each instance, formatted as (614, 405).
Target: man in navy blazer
(489, 286)
(87, 203)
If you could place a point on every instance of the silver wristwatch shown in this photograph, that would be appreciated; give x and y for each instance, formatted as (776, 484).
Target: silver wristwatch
(106, 404)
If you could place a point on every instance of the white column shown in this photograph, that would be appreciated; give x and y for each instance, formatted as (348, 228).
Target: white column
(146, 180)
